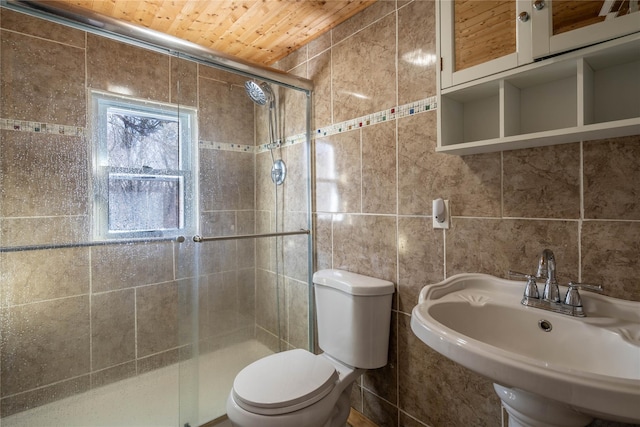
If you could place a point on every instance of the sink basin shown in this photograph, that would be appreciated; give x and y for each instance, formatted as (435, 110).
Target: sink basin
(587, 367)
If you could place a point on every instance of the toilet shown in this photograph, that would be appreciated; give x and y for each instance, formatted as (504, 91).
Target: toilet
(297, 388)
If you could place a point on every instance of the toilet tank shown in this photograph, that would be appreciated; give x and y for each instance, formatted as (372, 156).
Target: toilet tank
(354, 316)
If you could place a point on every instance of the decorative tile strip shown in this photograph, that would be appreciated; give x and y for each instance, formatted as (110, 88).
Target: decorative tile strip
(262, 148)
(224, 146)
(288, 141)
(416, 107)
(296, 139)
(39, 127)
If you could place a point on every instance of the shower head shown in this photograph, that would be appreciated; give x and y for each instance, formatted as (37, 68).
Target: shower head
(260, 94)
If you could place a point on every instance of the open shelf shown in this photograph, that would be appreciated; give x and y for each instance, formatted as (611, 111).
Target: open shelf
(615, 93)
(591, 93)
(472, 114)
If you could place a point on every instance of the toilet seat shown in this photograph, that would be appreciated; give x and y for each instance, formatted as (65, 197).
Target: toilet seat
(284, 382)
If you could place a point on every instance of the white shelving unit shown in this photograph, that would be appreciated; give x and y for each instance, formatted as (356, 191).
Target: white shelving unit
(591, 93)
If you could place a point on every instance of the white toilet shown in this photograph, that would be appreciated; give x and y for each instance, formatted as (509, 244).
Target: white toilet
(297, 388)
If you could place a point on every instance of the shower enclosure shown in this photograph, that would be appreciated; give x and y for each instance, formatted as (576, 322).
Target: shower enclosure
(149, 249)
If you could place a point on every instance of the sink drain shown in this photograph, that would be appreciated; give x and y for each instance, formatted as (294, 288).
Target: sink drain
(545, 325)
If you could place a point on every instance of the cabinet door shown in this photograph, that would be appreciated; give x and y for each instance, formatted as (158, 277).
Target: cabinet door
(482, 37)
(562, 25)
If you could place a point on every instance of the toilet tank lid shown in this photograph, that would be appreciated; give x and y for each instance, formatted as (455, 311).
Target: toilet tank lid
(352, 283)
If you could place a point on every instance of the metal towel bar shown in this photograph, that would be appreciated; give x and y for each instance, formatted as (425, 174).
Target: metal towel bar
(178, 239)
(200, 239)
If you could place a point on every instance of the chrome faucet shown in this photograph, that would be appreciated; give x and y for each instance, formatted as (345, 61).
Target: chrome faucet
(547, 270)
(550, 300)
(543, 263)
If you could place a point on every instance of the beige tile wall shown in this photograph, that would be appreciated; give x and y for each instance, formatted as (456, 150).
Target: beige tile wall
(373, 191)
(73, 319)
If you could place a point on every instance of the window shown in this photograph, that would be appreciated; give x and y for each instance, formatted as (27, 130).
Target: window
(144, 168)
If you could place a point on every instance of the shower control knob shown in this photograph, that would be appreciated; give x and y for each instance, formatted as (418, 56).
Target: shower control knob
(278, 172)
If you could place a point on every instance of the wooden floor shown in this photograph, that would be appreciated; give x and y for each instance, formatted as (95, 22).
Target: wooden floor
(356, 419)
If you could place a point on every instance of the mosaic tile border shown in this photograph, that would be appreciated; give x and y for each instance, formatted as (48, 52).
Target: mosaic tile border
(393, 113)
(289, 140)
(39, 127)
(412, 108)
(224, 146)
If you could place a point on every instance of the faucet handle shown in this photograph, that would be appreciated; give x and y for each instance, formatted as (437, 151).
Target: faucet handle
(531, 288)
(521, 275)
(573, 298)
(585, 286)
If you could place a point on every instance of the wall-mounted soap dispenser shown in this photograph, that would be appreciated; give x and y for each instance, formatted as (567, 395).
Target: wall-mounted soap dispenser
(440, 214)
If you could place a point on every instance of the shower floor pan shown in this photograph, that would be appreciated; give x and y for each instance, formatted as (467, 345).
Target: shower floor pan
(147, 400)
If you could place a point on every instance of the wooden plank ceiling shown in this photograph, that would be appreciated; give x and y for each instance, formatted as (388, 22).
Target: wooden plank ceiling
(260, 31)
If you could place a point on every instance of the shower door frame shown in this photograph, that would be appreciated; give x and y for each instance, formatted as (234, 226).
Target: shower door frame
(69, 15)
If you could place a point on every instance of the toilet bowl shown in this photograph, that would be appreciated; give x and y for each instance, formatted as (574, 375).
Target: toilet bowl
(292, 389)
(297, 388)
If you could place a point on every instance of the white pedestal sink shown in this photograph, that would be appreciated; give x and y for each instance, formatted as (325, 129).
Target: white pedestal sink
(549, 369)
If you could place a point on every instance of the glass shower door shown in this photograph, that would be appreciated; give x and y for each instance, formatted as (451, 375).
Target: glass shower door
(90, 312)
(108, 323)
(245, 296)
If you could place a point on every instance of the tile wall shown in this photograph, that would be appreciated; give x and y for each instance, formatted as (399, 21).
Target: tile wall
(74, 319)
(372, 206)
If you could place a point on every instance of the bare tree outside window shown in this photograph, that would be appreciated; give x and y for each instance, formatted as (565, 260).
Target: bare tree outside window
(137, 141)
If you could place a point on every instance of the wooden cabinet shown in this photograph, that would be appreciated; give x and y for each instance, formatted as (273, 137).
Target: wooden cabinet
(483, 37)
(478, 38)
(562, 25)
(510, 101)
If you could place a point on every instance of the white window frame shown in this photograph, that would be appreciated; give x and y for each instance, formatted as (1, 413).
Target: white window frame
(186, 174)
